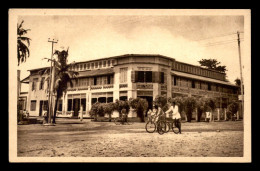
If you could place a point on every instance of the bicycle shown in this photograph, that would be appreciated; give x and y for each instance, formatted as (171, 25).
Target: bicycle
(121, 120)
(173, 126)
(162, 125)
(151, 124)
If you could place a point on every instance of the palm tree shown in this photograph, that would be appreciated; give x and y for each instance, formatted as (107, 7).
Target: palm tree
(63, 76)
(22, 49)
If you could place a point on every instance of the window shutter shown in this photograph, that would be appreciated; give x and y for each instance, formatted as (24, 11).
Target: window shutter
(133, 76)
(153, 77)
(161, 77)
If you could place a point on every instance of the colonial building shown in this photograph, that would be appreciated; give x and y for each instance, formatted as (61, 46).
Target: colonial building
(130, 76)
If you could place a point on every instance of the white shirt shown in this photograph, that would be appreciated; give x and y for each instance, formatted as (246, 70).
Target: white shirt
(175, 112)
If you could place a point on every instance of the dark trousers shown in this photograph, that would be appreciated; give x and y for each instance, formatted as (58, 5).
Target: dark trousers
(178, 123)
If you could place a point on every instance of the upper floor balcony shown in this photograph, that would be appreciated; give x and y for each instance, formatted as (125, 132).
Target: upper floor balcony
(92, 87)
(201, 92)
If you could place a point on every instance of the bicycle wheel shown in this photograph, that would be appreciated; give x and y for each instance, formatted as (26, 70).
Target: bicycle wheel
(150, 127)
(161, 127)
(175, 129)
(168, 126)
(117, 121)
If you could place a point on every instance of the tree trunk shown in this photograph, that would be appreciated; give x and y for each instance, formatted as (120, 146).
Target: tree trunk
(109, 117)
(55, 110)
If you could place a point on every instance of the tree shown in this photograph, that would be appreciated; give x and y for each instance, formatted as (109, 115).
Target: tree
(205, 105)
(232, 108)
(162, 102)
(108, 108)
(22, 49)
(213, 64)
(190, 105)
(140, 105)
(238, 83)
(62, 77)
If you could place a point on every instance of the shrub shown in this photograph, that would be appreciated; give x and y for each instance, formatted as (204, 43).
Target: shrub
(205, 105)
(232, 108)
(140, 105)
(108, 108)
(161, 101)
(120, 104)
(190, 106)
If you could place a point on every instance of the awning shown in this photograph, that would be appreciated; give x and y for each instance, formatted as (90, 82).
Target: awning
(25, 80)
(95, 72)
(196, 77)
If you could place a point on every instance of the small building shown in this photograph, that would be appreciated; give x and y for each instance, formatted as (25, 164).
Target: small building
(129, 76)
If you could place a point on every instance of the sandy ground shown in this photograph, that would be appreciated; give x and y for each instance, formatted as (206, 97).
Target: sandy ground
(103, 139)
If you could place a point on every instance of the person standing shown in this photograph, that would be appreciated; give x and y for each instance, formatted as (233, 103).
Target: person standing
(175, 115)
(81, 113)
(124, 115)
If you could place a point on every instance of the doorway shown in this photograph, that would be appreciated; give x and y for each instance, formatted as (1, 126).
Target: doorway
(43, 106)
(150, 102)
(76, 106)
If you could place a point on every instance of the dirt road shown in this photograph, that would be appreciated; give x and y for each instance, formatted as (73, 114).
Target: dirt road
(103, 139)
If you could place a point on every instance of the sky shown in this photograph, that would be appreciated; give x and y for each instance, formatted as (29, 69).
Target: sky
(185, 38)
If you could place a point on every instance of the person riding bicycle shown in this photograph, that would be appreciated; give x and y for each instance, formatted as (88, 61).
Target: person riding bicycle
(175, 115)
(159, 112)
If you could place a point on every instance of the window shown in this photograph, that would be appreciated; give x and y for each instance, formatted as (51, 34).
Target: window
(104, 63)
(42, 83)
(209, 86)
(113, 62)
(93, 100)
(174, 81)
(123, 98)
(60, 105)
(109, 99)
(34, 84)
(69, 104)
(96, 64)
(193, 84)
(100, 64)
(123, 75)
(95, 80)
(88, 66)
(80, 66)
(92, 65)
(83, 103)
(102, 99)
(84, 66)
(108, 63)
(110, 79)
(33, 105)
(140, 76)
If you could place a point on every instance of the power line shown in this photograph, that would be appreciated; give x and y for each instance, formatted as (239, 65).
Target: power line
(221, 43)
(223, 35)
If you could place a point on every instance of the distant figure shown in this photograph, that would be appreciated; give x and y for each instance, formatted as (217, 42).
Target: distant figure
(208, 115)
(124, 115)
(81, 113)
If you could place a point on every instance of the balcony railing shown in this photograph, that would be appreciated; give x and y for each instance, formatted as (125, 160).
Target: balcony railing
(123, 85)
(195, 91)
(144, 86)
(93, 87)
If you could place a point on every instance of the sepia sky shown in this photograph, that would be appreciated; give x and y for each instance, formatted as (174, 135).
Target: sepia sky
(185, 38)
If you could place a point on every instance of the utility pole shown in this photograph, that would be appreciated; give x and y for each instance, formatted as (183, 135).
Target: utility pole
(241, 78)
(51, 83)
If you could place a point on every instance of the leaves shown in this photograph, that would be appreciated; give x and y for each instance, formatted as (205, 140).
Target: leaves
(213, 64)
(22, 49)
